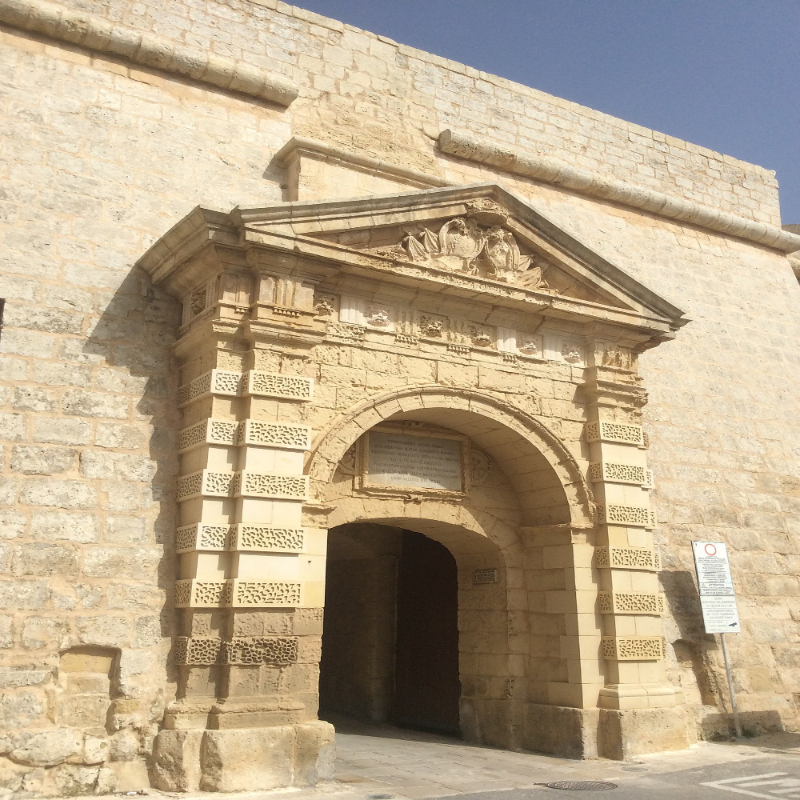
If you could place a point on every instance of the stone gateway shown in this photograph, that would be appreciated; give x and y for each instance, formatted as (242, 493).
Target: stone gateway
(339, 378)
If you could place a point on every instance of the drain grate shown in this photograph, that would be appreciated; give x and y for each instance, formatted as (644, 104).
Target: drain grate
(587, 786)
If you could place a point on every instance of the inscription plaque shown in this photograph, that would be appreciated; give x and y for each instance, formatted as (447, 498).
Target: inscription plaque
(419, 462)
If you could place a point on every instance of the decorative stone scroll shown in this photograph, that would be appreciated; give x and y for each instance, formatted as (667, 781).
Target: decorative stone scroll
(633, 648)
(208, 650)
(216, 381)
(289, 387)
(241, 537)
(208, 431)
(274, 434)
(636, 516)
(639, 558)
(204, 484)
(618, 473)
(631, 603)
(261, 484)
(203, 594)
(614, 432)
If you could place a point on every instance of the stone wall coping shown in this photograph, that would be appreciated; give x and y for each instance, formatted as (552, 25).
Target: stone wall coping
(547, 170)
(147, 49)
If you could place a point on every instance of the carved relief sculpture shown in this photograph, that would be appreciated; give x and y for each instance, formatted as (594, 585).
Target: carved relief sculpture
(477, 244)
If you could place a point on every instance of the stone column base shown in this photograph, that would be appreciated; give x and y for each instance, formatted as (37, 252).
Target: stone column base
(561, 731)
(243, 759)
(605, 733)
(636, 731)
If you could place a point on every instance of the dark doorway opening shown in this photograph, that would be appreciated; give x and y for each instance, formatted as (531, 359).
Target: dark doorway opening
(390, 638)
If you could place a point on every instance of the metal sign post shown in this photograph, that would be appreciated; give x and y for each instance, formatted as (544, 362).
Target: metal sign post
(718, 601)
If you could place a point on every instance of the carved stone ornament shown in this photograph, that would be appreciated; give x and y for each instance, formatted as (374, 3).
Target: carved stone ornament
(481, 466)
(478, 244)
(324, 305)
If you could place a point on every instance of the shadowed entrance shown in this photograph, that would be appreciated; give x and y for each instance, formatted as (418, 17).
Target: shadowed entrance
(390, 640)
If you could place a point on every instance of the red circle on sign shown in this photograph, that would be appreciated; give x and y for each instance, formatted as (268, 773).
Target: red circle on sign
(710, 550)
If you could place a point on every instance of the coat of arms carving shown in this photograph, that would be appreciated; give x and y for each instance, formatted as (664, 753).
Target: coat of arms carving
(477, 243)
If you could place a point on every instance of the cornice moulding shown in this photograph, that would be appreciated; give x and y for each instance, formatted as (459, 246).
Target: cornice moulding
(582, 181)
(299, 145)
(147, 49)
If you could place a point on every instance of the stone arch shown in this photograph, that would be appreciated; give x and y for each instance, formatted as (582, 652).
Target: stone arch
(531, 455)
(493, 631)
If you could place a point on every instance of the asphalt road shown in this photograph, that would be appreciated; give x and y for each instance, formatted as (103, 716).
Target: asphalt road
(776, 777)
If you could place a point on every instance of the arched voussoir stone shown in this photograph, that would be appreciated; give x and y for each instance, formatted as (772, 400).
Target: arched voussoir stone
(557, 471)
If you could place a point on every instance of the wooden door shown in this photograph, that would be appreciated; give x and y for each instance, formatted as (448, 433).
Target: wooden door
(427, 687)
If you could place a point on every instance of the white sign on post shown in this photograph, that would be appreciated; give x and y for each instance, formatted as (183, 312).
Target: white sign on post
(718, 601)
(717, 595)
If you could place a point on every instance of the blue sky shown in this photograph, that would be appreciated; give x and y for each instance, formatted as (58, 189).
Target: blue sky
(724, 74)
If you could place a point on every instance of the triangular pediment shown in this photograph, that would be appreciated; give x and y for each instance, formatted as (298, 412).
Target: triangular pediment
(481, 233)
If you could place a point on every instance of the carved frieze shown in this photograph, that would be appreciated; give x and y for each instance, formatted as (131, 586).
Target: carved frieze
(240, 536)
(633, 648)
(638, 558)
(614, 432)
(253, 382)
(631, 603)
(618, 473)
(236, 593)
(616, 514)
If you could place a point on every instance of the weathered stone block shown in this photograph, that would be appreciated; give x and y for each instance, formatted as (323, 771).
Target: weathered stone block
(83, 710)
(315, 753)
(61, 431)
(55, 525)
(42, 460)
(19, 710)
(49, 632)
(72, 780)
(44, 559)
(6, 631)
(82, 403)
(60, 493)
(247, 759)
(95, 750)
(12, 524)
(623, 734)
(116, 466)
(561, 731)
(48, 748)
(176, 760)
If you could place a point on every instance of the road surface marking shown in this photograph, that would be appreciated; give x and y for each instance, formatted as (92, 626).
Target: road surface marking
(778, 784)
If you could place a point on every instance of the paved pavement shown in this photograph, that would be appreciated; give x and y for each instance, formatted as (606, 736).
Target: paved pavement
(376, 761)
(386, 763)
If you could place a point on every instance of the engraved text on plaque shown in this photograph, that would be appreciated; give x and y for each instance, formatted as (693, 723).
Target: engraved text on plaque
(422, 462)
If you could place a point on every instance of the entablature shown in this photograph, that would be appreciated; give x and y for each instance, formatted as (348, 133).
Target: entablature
(440, 264)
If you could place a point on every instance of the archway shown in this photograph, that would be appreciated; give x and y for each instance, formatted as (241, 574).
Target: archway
(390, 642)
(511, 645)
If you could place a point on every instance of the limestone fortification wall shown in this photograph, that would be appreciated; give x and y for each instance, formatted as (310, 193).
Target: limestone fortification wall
(103, 154)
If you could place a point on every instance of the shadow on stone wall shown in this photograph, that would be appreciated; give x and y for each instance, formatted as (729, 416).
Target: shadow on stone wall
(701, 669)
(134, 463)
